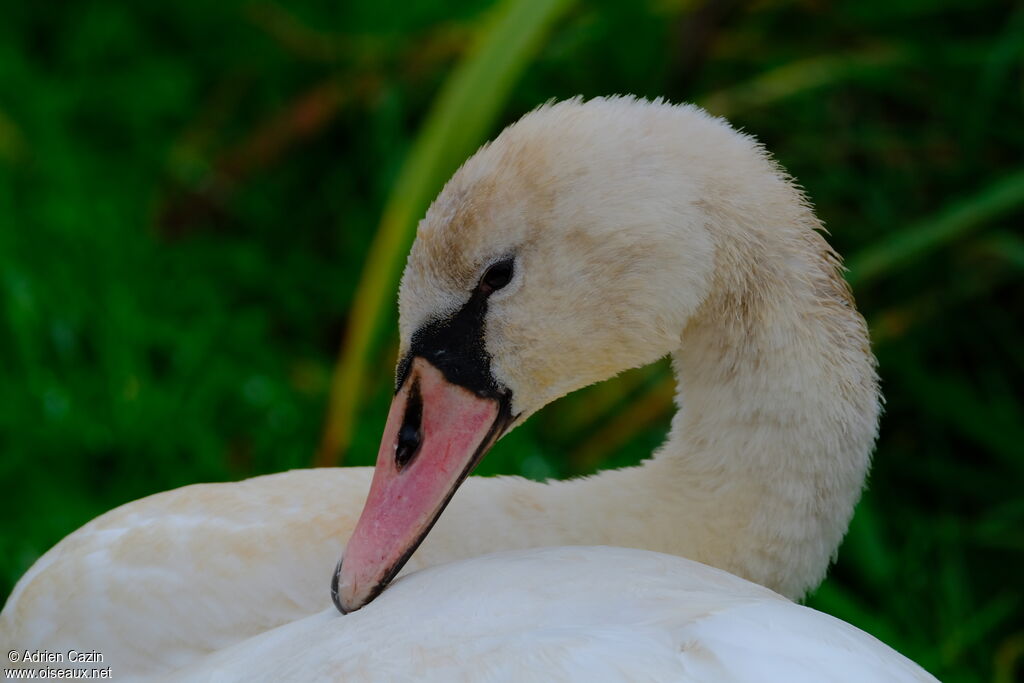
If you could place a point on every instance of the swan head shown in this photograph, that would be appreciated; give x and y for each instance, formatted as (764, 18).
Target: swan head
(571, 248)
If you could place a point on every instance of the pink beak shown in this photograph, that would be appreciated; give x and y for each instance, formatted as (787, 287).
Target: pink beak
(435, 435)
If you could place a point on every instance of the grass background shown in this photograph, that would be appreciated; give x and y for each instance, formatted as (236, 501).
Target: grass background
(189, 193)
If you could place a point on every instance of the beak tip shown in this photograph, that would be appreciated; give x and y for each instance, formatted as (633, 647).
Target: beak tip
(346, 592)
(415, 477)
(335, 593)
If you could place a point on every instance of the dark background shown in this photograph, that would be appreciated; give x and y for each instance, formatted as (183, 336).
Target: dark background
(189, 190)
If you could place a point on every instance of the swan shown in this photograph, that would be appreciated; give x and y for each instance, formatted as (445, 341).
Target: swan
(588, 238)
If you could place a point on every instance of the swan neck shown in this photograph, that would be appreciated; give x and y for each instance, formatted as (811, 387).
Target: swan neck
(778, 408)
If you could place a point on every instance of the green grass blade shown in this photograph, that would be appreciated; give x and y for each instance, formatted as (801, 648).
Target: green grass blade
(1006, 246)
(797, 77)
(12, 142)
(904, 246)
(865, 546)
(462, 115)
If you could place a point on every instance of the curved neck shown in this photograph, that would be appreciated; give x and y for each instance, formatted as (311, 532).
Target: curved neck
(767, 454)
(778, 415)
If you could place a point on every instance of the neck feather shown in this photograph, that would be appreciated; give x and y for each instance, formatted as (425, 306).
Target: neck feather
(778, 411)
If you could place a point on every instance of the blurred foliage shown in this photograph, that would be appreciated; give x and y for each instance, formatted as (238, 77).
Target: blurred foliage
(189, 191)
(456, 126)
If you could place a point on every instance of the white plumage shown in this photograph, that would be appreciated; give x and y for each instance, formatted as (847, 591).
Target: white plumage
(566, 614)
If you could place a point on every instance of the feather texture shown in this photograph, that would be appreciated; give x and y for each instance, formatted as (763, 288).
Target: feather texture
(567, 614)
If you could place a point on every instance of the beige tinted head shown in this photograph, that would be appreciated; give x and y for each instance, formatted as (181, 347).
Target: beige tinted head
(572, 247)
(610, 248)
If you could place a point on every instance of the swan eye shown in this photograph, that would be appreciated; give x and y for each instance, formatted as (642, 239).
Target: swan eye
(497, 276)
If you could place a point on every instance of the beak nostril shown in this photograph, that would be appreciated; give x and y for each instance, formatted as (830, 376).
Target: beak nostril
(408, 443)
(410, 434)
